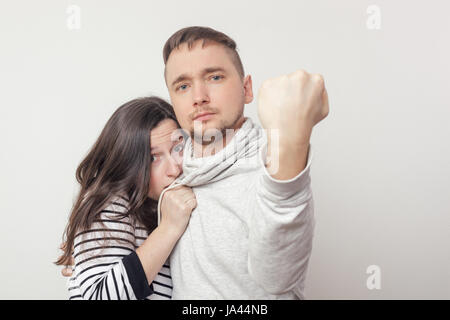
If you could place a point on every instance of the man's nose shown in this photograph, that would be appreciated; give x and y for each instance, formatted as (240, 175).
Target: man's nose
(201, 95)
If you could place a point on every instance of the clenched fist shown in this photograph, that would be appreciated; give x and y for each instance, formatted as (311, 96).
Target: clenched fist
(176, 208)
(293, 104)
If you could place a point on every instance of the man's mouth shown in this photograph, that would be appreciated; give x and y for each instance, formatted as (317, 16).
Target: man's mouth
(204, 116)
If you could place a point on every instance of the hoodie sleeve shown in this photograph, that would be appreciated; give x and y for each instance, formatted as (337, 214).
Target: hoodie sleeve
(281, 231)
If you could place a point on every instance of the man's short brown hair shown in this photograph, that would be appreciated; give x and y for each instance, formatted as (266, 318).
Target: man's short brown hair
(191, 34)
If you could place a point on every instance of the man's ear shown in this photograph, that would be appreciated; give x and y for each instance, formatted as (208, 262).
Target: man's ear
(248, 89)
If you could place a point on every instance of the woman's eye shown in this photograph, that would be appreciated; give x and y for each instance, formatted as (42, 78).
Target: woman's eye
(153, 157)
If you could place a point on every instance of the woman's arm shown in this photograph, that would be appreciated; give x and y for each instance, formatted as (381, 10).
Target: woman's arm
(107, 263)
(176, 207)
(103, 255)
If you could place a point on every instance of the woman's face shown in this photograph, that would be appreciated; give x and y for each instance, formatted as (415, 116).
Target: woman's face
(167, 156)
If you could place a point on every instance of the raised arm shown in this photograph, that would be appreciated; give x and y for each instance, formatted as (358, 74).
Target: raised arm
(282, 225)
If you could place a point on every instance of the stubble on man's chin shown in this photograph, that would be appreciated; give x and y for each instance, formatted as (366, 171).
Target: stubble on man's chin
(205, 140)
(200, 138)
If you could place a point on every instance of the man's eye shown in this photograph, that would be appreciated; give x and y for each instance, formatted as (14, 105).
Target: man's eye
(216, 77)
(182, 87)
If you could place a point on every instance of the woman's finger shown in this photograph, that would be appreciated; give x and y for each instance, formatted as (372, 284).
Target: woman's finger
(67, 271)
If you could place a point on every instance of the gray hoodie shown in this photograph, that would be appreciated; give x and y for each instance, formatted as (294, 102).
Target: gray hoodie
(250, 236)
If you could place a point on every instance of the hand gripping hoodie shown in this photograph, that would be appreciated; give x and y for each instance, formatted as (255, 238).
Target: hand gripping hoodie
(250, 236)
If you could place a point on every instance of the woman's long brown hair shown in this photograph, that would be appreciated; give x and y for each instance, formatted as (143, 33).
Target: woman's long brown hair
(118, 165)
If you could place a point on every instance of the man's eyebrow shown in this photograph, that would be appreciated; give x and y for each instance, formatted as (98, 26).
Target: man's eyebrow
(180, 78)
(213, 69)
(184, 77)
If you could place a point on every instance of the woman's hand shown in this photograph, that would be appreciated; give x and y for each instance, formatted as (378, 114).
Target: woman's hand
(176, 208)
(67, 270)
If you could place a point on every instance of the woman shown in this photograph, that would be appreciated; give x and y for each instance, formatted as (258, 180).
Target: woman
(119, 250)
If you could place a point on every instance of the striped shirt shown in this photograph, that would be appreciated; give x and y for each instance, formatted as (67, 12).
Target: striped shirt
(106, 264)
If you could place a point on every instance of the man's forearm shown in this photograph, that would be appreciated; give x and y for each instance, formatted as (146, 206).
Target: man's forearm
(288, 158)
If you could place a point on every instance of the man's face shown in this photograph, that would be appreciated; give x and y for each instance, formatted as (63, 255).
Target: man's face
(205, 80)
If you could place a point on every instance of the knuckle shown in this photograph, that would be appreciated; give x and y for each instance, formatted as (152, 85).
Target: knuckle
(301, 74)
(169, 197)
(318, 78)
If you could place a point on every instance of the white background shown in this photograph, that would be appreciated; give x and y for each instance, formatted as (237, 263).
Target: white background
(382, 158)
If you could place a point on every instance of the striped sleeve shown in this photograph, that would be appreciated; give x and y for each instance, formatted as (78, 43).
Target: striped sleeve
(106, 264)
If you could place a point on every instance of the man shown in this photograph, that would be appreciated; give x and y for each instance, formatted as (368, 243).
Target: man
(250, 236)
